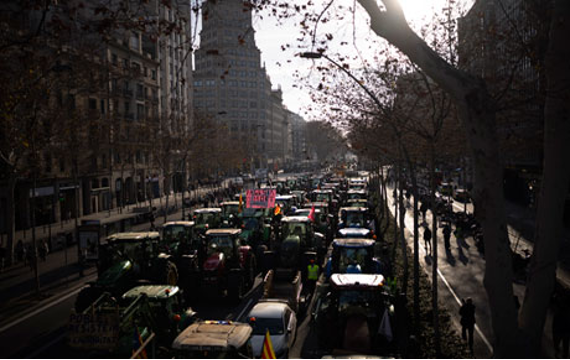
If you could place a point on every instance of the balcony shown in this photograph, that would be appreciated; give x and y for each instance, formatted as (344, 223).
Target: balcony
(128, 93)
(129, 116)
(140, 95)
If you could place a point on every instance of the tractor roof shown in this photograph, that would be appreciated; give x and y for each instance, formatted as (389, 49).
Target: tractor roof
(357, 191)
(316, 204)
(179, 223)
(354, 209)
(284, 197)
(323, 191)
(230, 203)
(354, 232)
(213, 335)
(158, 292)
(357, 281)
(133, 236)
(295, 219)
(353, 243)
(223, 232)
(207, 210)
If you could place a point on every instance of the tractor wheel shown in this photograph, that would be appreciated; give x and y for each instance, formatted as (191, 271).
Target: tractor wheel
(167, 273)
(85, 298)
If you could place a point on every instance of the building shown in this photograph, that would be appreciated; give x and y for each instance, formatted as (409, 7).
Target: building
(231, 84)
(298, 137)
(112, 92)
(507, 58)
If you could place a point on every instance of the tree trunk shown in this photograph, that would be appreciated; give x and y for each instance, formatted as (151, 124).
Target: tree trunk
(402, 238)
(477, 114)
(34, 248)
(555, 180)
(11, 219)
(434, 294)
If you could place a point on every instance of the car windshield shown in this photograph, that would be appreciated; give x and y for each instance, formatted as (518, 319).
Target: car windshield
(274, 325)
(220, 244)
(350, 256)
(298, 229)
(355, 219)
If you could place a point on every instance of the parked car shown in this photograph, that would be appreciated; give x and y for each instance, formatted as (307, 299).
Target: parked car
(277, 317)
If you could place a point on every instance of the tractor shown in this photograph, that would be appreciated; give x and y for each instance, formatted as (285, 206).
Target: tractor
(230, 266)
(126, 258)
(356, 314)
(117, 327)
(207, 218)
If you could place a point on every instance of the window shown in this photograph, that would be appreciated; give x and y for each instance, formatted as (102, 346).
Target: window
(114, 59)
(153, 74)
(92, 104)
(102, 107)
(61, 164)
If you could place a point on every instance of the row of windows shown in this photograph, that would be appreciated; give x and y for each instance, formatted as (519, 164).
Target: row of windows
(126, 64)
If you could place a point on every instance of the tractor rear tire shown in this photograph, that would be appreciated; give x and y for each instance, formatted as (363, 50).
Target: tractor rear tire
(167, 273)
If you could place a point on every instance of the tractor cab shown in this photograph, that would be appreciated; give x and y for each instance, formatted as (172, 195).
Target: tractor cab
(207, 218)
(180, 237)
(355, 217)
(356, 194)
(230, 212)
(352, 256)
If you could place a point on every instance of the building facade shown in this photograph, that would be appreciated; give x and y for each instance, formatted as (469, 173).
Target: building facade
(231, 84)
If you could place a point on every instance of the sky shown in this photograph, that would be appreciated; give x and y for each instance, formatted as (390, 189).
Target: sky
(281, 65)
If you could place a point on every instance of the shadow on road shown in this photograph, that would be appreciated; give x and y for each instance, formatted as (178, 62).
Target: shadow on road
(450, 257)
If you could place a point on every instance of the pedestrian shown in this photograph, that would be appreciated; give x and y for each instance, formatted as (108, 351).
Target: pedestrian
(467, 313)
(20, 251)
(427, 239)
(312, 276)
(459, 235)
(43, 250)
(423, 209)
(446, 236)
(561, 325)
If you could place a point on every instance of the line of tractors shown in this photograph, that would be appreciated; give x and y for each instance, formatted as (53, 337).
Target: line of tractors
(147, 280)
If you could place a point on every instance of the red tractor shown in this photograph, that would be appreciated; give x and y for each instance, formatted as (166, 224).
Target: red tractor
(229, 267)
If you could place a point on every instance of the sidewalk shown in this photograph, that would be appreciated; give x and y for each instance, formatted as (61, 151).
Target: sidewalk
(462, 270)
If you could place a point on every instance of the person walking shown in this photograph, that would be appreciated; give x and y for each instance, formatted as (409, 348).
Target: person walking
(427, 239)
(312, 276)
(151, 218)
(446, 236)
(467, 313)
(423, 210)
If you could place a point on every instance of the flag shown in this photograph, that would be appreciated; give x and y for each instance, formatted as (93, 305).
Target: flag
(240, 207)
(385, 328)
(267, 351)
(312, 214)
(277, 210)
(137, 343)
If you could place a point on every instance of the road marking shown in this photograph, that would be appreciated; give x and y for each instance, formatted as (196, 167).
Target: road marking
(43, 308)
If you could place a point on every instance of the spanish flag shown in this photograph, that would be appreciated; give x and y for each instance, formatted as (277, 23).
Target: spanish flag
(277, 210)
(267, 351)
(137, 343)
(240, 207)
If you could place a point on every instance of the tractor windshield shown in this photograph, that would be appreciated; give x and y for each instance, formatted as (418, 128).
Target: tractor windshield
(298, 229)
(230, 209)
(323, 197)
(130, 250)
(204, 218)
(355, 219)
(220, 244)
(250, 223)
(350, 256)
(174, 233)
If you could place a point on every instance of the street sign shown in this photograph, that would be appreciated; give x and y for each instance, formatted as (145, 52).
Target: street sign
(260, 198)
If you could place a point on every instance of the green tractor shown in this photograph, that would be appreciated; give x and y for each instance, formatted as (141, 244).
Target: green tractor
(117, 327)
(207, 218)
(256, 230)
(297, 244)
(126, 258)
(181, 240)
(230, 213)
